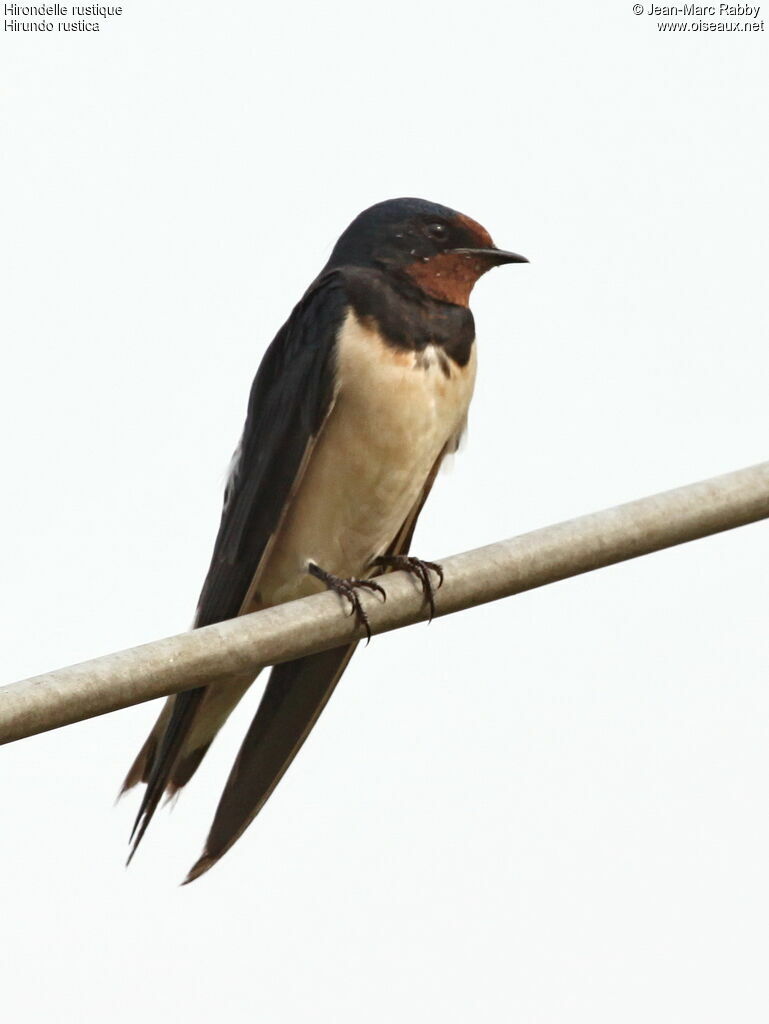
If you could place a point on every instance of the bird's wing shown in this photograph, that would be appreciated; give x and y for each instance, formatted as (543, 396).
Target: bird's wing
(295, 695)
(291, 398)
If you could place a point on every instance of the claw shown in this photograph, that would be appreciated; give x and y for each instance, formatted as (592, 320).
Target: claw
(370, 585)
(419, 568)
(348, 589)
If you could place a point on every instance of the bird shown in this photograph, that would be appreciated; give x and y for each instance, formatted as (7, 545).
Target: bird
(357, 401)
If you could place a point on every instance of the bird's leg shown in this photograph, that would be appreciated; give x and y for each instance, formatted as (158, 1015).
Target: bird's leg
(417, 567)
(348, 588)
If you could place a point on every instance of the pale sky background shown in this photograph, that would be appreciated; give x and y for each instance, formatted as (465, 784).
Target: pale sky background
(550, 810)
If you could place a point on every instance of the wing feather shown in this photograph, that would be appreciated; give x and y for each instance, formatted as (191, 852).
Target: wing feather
(291, 397)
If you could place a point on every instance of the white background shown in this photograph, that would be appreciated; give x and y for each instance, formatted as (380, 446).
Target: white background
(553, 809)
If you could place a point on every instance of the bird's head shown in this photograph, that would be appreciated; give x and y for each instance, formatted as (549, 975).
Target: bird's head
(440, 251)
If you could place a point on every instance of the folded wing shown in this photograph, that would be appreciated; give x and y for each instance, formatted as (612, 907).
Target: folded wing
(291, 398)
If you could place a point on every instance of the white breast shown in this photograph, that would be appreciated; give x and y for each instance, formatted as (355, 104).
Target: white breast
(395, 412)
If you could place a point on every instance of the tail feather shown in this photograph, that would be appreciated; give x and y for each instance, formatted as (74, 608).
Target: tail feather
(295, 695)
(142, 766)
(185, 706)
(178, 743)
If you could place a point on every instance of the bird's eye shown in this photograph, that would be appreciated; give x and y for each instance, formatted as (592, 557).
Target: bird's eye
(437, 231)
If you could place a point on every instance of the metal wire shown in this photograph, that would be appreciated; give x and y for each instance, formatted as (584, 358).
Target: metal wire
(317, 623)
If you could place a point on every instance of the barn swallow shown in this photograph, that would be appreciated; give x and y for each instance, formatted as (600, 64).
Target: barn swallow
(362, 393)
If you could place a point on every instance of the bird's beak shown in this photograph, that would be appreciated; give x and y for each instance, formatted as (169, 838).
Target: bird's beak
(497, 256)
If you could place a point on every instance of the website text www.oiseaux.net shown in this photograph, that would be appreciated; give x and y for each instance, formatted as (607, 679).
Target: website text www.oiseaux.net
(727, 15)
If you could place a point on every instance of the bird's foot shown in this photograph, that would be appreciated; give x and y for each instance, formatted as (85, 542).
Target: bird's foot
(419, 568)
(349, 588)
